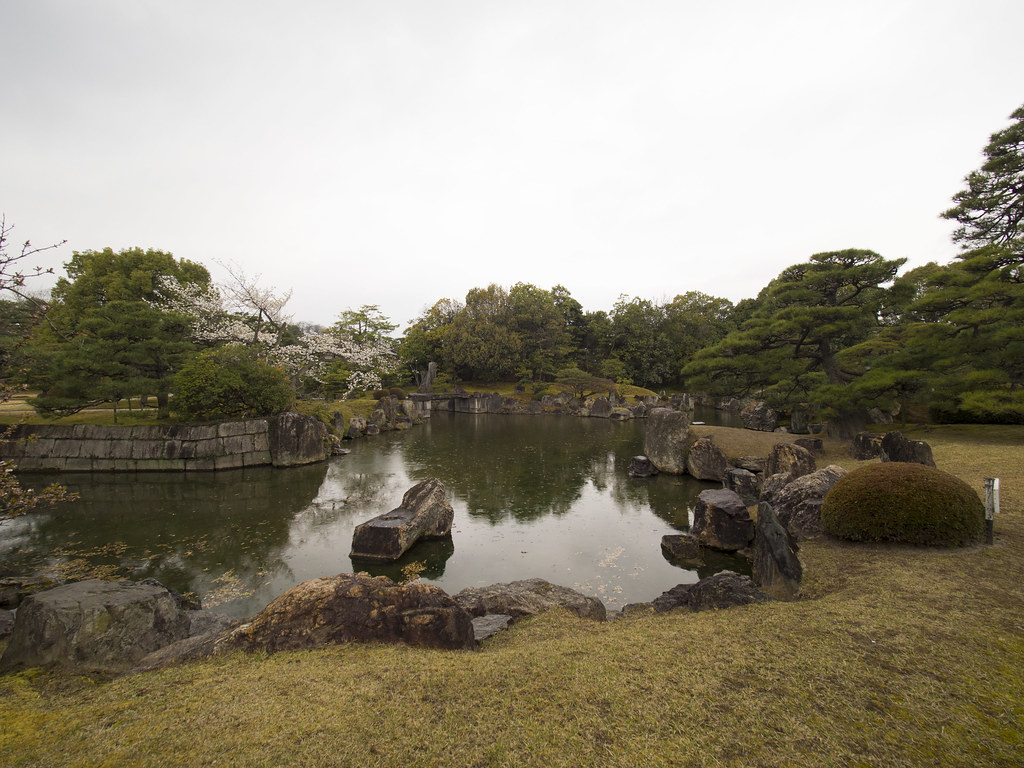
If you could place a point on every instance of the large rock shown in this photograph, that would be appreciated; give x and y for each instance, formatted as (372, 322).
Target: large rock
(798, 503)
(601, 407)
(682, 549)
(777, 569)
(423, 513)
(866, 445)
(742, 482)
(355, 608)
(528, 598)
(94, 626)
(758, 416)
(666, 439)
(790, 459)
(723, 590)
(6, 623)
(296, 439)
(705, 460)
(896, 447)
(721, 521)
(641, 466)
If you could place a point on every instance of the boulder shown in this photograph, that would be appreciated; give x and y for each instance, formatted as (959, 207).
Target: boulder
(601, 407)
(777, 569)
(743, 482)
(753, 464)
(758, 416)
(682, 549)
(351, 608)
(721, 521)
(895, 447)
(723, 590)
(94, 626)
(878, 416)
(296, 439)
(798, 503)
(620, 414)
(865, 446)
(388, 406)
(705, 460)
(528, 598)
(666, 439)
(790, 459)
(372, 429)
(423, 513)
(798, 419)
(6, 623)
(641, 466)
(356, 427)
(813, 444)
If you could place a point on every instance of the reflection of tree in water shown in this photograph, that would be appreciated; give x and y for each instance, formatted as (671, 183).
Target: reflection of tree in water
(670, 497)
(514, 466)
(187, 530)
(432, 554)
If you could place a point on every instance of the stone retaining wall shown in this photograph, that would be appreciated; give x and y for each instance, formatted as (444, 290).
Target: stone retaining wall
(169, 447)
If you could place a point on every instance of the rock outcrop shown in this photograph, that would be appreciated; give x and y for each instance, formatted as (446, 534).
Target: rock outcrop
(866, 445)
(666, 440)
(528, 597)
(423, 513)
(721, 521)
(742, 482)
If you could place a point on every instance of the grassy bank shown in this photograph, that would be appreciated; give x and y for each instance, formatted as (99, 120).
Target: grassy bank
(897, 656)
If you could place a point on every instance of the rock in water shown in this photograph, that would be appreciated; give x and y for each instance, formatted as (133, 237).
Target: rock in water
(296, 439)
(528, 598)
(355, 608)
(94, 626)
(777, 568)
(423, 513)
(641, 466)
(666, 440)
(721, 521)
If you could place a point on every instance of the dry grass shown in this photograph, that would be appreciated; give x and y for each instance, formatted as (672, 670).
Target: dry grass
(898, 656)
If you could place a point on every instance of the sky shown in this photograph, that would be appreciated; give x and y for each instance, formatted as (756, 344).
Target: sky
(396, 153)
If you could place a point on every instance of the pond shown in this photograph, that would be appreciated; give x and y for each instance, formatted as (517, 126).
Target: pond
(543, 496)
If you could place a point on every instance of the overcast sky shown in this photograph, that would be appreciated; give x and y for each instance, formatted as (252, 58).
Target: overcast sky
(396, 153)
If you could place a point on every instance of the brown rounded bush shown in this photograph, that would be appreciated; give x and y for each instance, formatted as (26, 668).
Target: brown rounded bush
(905, 503)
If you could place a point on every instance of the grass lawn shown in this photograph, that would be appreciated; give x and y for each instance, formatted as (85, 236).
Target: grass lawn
(896, 656)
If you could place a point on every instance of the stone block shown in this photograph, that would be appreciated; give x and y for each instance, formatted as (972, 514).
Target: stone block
(200, 465)
(256, 458)
(231, 429)
(78, 465)
(423, 513)
(229, 461)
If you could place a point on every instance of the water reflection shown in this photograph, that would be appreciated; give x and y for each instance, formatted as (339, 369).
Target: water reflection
(533, 496)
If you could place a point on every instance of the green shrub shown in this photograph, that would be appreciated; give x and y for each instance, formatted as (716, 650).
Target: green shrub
(379, 393)
(905, 503)
(228, 383)
(397, 392)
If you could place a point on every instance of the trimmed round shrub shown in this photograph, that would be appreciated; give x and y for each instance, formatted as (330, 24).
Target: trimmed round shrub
(230, 382)
(904, 503)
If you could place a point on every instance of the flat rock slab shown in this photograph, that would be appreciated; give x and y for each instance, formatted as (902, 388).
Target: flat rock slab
(528, 597)
(490, 625)
(423, 513)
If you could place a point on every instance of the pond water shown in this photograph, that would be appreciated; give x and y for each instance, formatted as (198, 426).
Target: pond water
(543, 496)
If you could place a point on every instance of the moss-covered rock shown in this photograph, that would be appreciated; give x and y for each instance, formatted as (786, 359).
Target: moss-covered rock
(905, 503)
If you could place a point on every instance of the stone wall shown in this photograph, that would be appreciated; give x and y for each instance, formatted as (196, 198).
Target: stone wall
(169, 447)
